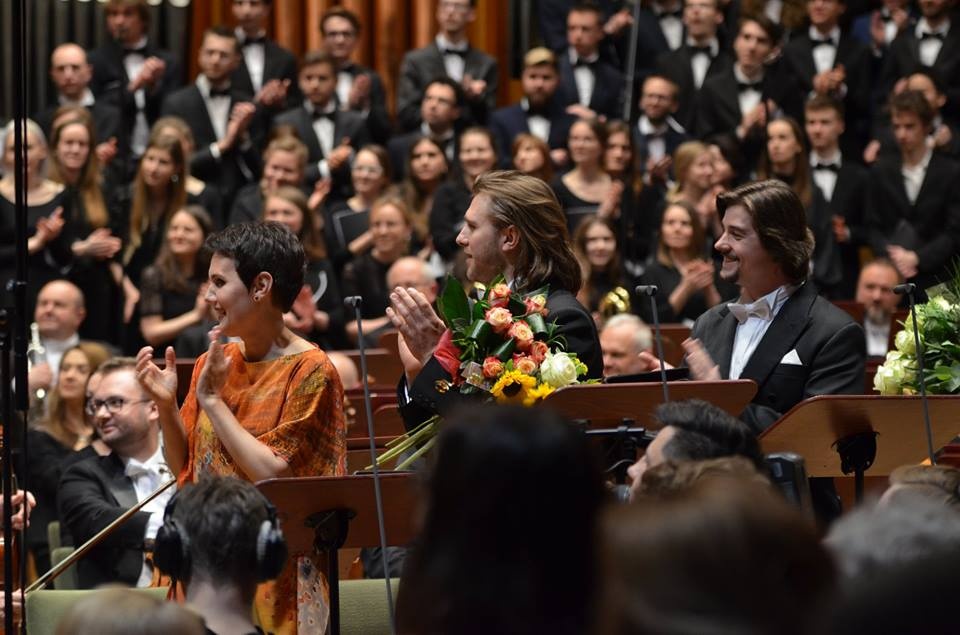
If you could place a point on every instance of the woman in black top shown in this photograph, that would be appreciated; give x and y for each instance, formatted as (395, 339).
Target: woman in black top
(595, 243)
(587, 188)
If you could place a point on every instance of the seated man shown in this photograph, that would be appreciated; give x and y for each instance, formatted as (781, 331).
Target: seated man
(875, 292)
(58, 315)
(695, 430)
(96, 491)
(622, 339)
(220, 538)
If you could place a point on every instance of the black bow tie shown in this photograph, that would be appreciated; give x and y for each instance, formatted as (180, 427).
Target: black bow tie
(461, 52)
(886, 17)
(142, 50)
(743, 86)
(331, 115)
(678, 14)
(833, 167)
(254, 40)
(219, 92)
(931, 36)
(538, 111)
(584, 62)
(706, 50)
(815, 43)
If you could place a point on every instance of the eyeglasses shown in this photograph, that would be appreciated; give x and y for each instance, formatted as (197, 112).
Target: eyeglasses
(346, 35)
(367, 169)
(113, 404)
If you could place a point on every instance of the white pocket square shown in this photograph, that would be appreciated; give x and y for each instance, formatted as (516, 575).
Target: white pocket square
(792, 358)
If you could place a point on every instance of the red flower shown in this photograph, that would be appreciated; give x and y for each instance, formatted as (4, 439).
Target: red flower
(522, 333)
(538, 351)
(536, 304)
(499, 296)
(525, 364)
(448, 355)
(492, 367)
(499, 318)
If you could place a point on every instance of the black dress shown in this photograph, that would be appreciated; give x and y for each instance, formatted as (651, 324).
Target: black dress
(450, 203)
(50, 263)
(342, 224)
(667, 280)
(573, 206)
(156, 299)
(367, 277)
(326, 297)
(47, 457)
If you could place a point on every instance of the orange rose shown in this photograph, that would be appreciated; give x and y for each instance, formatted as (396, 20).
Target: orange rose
(492, 367)
(499, 295)
(522, 333)
(499, 318)
(536, 304)
(538, 351)
(525, 364)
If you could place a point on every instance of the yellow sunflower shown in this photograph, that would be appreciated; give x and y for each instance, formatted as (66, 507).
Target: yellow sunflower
(538, 394)
(513, 387)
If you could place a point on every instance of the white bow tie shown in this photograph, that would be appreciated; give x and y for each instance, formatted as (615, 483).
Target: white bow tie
(743, 312)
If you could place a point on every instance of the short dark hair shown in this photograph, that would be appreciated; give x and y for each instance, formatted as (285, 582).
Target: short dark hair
(313, 58)
(221, 516)
(780, 221)
(825, 102)
(913, 102)
(587, 6)
(458, 94)
(773, 29)
(340, 12)
(265, 246)
(704, 431)
(220, 30)
(931, 73)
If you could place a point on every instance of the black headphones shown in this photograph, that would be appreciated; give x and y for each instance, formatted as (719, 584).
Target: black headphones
(171, 552)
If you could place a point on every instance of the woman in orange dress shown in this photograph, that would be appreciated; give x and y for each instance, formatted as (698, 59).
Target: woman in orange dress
(268, 405)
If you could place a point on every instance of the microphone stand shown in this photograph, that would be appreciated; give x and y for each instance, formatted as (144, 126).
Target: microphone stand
(356, 301)
(909, 289)
(651, 290)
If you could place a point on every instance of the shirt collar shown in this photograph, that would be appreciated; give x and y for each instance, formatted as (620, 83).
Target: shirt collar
(574, 56)
(743, 79)
(58, 346)
(836, 157)
(428, 132)
(776, 298)
(156, 463)
(924, 27)
(833, 34)
(924, 163)
(203, 85)
(331, 107)
(446, 45)
(86, 100)
(714, 45)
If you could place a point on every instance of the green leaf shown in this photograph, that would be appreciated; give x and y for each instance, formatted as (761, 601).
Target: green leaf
(480, 332)
(453, 303)
(537, 324)
(517, 306)
(505, 350)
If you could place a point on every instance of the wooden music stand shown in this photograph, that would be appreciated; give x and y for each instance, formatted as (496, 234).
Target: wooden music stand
(327, 513)
(611, 403)
(872, 432)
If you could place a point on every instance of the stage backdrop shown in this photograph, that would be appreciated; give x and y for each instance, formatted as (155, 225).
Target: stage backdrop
(391, 27)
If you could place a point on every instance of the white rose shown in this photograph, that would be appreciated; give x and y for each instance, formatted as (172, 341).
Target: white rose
(942, 302)
(884, 382)
(905, 343)
(558, 370)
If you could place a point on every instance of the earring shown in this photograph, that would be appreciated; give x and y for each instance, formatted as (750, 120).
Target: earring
(174, 178)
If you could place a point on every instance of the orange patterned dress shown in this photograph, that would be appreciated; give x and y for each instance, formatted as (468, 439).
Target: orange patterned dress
(293, 405)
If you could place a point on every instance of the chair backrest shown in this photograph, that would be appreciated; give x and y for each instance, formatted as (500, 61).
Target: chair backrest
(67, 580)
(53, 535)
(363, 606)
(45, 608)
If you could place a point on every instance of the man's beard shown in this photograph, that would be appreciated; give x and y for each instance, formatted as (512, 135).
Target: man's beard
(876, 315)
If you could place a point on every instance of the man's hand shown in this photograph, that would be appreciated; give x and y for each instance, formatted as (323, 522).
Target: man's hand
(659, 170)
(339, 155)
(240, 118)
(152, 71)
(419, 325)
(871, 152)
(40, 376)
(582, 112)
(701, 365)
(359, 98)
(21, 514)
(273, 93)
(473, 88)
(160, 385)
(904, 260)
(106, 151)
(618, 22)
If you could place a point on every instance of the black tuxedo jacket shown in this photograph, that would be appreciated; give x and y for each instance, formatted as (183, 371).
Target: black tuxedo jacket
(934, 217)
(607, 98)
(346, 124)
(278, 63)
(421, 66)
(904, 56)
(93, 493)
(506, 123)
(830, 345)
(849, 195)
(379, 125)
(671, 139)
(575, 324)
(232, 170)
(109, 81)
(677, 66)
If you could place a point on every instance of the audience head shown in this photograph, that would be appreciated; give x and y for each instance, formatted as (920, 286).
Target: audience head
(693, 165)
(912, 119)
(72, 142)
(786, 153)
(511, 532)
(60, 310)
(595, 244)
(757, 37)
(127, 420)
(339, 28)
(681, 234)
(120, 611)
(253, 264)
(412, 272)
(694, 430)
(284, 163)
(427, 164)
(825, 14)
(587, 142)
(670, 477)
(515, 226)
(163, 166)
(346, 368)
(939, 483)
(318, 78)
(702, 19)
(584, 28)
(824, 122)
(76, 366)
(766, 241)
(477, 152)
(728, 161)
(371, 171)
(251, 15)
(222, 532)
(70, 71)
(127, 20)
(184, 244)
(219, 54)
(935, 10)
(618, 158)
(391, 227)
(928, 82)
(442, 104)
(36, 144)
(177, 127)
(540, 77)
(288, 205)
(622, 339)
(669, 564)
(531, 156)
(453, 16)
(875, 289)
(658, 97)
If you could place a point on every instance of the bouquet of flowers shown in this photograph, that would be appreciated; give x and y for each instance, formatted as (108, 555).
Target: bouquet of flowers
(938, 323)
(499, 347)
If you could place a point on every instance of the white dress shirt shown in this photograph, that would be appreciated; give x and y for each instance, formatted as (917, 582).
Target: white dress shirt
(54, 350)
(583, 76)
(218, 108)
(826, 180)
(147, 477)
(878, 337)
(255, 57)
(750, 332)
(671, 25)
(930, 47)
(455, 65)
(825, 56)
(324, 129)
(913, 177)
(538, 124)
(700, 61)
(747, 99)
(133, 64)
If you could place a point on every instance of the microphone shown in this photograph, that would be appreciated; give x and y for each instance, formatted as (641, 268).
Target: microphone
(356, 302)
(651, 290)
(910, 289)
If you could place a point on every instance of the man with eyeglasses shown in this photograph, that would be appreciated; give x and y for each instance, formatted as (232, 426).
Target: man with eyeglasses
(359, 88)
(96, 491)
